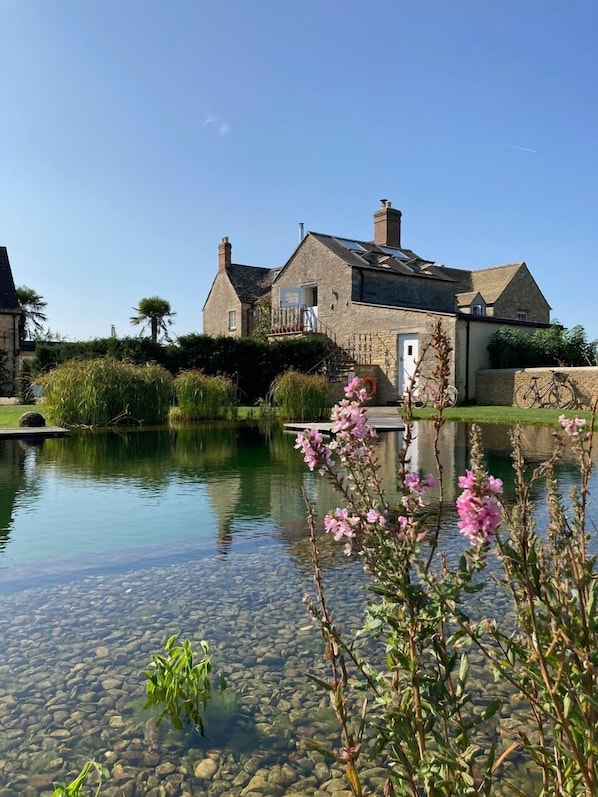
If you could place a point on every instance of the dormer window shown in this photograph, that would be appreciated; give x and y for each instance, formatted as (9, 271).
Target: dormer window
(478, 309)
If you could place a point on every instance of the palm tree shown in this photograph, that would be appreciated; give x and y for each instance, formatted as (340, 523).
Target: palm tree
(156, 313)
(32, 305)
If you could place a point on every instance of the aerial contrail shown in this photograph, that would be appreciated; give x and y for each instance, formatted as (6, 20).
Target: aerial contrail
(522, 149)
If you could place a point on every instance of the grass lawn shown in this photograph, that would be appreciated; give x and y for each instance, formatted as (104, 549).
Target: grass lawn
(10, 414)
(471, 414)
(509, 415)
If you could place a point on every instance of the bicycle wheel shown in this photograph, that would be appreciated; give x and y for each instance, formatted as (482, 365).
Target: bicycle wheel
(419, 397)
(563, 396)
(451, 396)
(525, 397)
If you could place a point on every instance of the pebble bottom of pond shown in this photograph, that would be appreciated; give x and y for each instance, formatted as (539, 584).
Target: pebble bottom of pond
(72, 686)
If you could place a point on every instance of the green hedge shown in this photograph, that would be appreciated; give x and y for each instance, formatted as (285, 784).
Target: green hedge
(252, 365)
(555, 345)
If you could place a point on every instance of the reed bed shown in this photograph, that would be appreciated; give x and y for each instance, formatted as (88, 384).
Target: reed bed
(203, 398)
(104, 391)
(301, 397)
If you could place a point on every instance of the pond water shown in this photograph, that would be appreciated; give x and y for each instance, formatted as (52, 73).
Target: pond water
(110, 543)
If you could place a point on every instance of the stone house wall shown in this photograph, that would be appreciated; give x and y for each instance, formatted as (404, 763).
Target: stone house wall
(497, 387)
(9, 346)
(314, 264)
(223, 298)
(522, 295)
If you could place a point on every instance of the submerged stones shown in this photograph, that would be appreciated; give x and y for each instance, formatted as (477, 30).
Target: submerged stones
(72, 686)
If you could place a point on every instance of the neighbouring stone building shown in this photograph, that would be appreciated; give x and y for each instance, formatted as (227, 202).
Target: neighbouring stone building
(10, 325)
(378, 300)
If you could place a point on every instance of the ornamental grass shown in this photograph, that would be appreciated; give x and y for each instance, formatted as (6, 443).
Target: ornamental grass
(200, 397)
(301, 397)
(103, 392)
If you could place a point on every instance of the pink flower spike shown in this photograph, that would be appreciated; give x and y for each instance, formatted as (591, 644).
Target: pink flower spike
(352, 387)
(478, 507)
(494, 485)
(572, 426)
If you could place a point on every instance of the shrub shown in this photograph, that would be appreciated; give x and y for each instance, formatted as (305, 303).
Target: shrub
(555, 345)
(104, 391)
(301, 397)
(200, 397)
(434, 737)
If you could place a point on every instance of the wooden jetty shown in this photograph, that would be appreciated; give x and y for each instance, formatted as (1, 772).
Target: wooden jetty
(382, 419)
(35, 432)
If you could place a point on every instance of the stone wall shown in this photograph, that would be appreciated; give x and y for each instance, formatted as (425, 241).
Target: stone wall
(497, 387)
(222, 298)
(9, 336)
(522, 295)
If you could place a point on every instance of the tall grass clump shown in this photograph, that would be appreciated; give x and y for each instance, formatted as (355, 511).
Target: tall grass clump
(103, 391)
(301, 397)
(201, 397)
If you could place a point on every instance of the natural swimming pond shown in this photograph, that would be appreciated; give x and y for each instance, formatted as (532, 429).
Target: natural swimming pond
(111, 542)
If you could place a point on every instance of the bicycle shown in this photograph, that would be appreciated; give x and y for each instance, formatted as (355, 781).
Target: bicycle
(555, 392)
(429, 393)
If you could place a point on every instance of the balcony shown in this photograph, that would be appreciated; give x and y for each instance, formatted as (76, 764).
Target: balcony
(292, 320)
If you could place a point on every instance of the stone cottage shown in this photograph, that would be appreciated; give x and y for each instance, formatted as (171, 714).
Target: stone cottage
(378, 301)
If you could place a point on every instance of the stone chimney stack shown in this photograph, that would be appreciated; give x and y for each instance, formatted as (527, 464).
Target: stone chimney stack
(224, 255)
(387, 225)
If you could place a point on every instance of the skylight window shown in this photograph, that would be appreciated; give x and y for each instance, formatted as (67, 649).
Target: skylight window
(394, 252)
(353, 246)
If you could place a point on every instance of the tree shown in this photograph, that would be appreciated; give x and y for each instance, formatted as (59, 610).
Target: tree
(32, 304)
(155, 313)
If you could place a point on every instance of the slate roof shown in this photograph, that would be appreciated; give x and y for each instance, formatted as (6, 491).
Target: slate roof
(368, 255)
(250, 282)
(8, 294)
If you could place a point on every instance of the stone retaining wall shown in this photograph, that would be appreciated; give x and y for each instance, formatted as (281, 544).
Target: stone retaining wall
(497, 387)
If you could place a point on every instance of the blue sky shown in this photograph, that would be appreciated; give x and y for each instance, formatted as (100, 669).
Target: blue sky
(135, 134)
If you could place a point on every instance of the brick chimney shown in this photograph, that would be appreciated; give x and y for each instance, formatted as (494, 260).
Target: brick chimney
(387, 225)
(224, 255)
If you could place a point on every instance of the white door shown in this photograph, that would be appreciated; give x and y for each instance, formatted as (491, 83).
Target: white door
(408, 350)
(310, 319)
(310, 310)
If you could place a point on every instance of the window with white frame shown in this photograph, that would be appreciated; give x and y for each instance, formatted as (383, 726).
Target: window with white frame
(478, 309)
(232, 319)
(522, 315)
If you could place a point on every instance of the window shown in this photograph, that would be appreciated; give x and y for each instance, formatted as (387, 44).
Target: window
(478, 309)
(521, 315)
(232, 319)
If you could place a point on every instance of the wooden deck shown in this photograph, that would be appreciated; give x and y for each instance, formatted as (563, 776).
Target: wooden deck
(382, 419)
(36, 432)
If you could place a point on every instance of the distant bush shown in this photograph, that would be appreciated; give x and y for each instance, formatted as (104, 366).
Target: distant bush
(200, 397)
(105, 391)
(554, 345)
(301, 397)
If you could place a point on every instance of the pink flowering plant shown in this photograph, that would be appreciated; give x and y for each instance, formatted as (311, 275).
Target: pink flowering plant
(419, 716)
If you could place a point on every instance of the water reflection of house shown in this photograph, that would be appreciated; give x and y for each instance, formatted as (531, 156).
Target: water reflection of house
(224, 496)
(15, 457)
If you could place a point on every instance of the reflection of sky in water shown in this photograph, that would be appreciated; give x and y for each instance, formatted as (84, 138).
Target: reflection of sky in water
(100, 494)
(68, 517)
